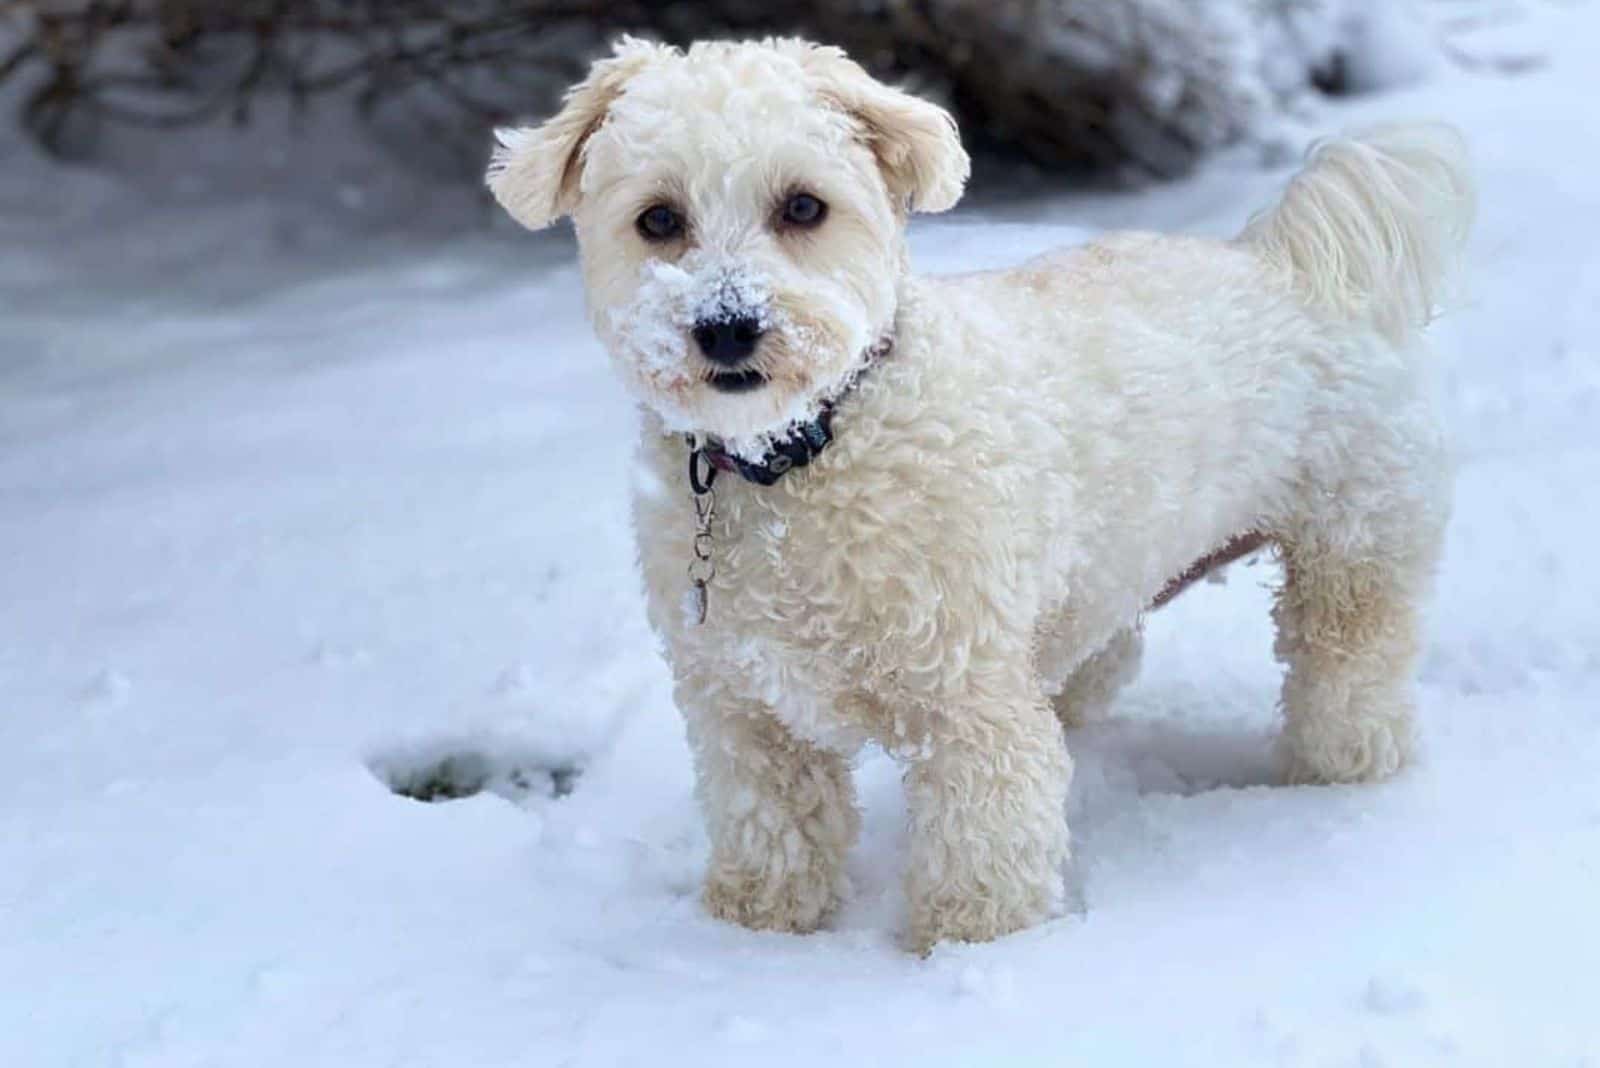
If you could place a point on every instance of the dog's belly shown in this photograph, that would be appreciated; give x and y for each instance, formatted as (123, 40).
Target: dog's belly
(1235, 548)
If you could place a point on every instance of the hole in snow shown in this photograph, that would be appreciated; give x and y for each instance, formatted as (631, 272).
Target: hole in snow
(450, 773)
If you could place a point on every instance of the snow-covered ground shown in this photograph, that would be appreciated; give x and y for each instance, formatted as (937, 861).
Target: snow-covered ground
(288, 517)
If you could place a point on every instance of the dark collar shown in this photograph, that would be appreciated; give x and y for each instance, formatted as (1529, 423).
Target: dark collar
(803, 443)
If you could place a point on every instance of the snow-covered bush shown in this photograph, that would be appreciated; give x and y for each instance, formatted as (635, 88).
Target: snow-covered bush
(1158, 83)
(1147, 85)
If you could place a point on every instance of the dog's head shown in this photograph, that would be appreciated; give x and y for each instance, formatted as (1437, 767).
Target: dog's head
(740, 211)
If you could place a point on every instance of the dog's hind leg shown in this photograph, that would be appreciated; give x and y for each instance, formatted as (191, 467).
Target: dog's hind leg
(1093, 685)
(780, 813)
(1348, 618)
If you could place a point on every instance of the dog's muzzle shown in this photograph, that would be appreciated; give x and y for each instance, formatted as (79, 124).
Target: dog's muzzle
(730, 342)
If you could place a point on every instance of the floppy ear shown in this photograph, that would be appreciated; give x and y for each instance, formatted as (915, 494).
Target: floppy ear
(534, 171)
(917, 143)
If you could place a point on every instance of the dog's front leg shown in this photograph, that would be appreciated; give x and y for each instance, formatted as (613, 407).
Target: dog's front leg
(780, 813)
(988, 818)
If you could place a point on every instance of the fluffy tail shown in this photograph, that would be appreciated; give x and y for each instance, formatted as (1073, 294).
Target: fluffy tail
(1372, 224)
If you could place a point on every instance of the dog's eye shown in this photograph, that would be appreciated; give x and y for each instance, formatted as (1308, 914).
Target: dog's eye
(804, 210)
(659, 223)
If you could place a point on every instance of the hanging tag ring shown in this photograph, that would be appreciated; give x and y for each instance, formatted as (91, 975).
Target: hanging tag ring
(702, 568)
(699, 461)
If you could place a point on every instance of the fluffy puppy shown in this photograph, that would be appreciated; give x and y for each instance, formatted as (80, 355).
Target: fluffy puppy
(1021, 461)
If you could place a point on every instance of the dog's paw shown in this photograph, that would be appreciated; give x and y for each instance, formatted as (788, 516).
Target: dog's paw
(794, 903)
(980, 907)
(980, 919)
(1344, 750)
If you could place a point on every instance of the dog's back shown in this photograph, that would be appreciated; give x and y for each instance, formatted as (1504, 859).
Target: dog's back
(1200, 389)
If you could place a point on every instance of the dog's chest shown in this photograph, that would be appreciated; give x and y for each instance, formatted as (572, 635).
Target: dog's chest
(768, 604)
(775, 631)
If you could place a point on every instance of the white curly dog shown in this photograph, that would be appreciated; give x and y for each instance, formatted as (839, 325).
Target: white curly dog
(946, 502)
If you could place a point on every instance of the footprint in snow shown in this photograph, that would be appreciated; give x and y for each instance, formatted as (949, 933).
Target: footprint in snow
(450, 771)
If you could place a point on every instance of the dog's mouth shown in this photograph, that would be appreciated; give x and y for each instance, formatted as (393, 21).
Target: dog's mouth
(737, 381)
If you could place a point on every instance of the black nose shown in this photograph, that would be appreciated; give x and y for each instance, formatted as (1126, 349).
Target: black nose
(727, 341)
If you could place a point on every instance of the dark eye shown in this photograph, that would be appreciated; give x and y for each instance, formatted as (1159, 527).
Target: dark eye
(804, 210)
(659, 223)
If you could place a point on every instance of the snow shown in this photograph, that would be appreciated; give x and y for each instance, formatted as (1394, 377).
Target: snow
(295, 508)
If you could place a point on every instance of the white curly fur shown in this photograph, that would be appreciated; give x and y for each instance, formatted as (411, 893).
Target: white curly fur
(1045, 447)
